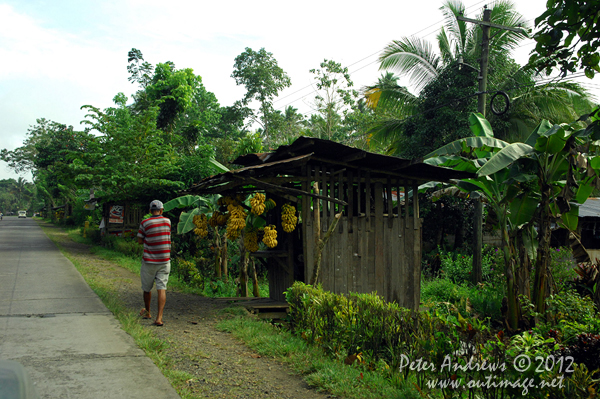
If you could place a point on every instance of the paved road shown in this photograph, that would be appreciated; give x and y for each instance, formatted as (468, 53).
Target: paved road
(59, 330)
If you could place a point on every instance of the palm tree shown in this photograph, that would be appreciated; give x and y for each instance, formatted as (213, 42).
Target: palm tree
(20, 189)
(459, 45)
(293, 124)
(415, 57)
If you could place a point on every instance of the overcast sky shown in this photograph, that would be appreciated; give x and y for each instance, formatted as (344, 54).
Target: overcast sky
(57, 55)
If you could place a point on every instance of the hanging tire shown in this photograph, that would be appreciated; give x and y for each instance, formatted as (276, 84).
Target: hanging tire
(495, 107)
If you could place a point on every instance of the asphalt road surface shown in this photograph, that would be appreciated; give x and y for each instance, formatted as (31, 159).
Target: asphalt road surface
(53, 324)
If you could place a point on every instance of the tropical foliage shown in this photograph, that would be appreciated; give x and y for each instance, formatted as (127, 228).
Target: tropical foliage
(568, 37)
(446, 82)
(528, 186)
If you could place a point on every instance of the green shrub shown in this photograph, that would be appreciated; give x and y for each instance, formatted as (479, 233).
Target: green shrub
(440, 290)
(457, 266)
(562, 265)
(386, 336)
(187, 272)
(569, 315)
(366, 323)
(484, 300)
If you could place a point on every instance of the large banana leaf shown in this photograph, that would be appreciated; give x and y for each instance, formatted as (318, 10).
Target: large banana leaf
(522, 209)
(595, 163)
(186, 201)
(219, 166)
(480, 126)
(584, 190)
(469, 144)
(474, 185)
(454, 162)
(570, 219)
(552, 141)
(186, 221)
(504, 158)
(540, 129)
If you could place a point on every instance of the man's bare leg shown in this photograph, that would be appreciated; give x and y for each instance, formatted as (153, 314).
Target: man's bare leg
(147, 300)
(162, 299)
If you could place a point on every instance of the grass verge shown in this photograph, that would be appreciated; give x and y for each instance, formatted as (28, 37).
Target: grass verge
(319, 370)
(126, 261)
(152, 346)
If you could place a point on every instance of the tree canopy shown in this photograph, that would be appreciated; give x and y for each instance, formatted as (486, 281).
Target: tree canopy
(568, 37)
(263, 78)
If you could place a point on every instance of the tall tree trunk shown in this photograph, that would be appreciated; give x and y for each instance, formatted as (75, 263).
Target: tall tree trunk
(512, 316)
(477, 270)
(523, 272)
(543, 257)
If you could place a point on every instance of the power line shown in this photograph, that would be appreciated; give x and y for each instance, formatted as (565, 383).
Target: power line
(364, 58)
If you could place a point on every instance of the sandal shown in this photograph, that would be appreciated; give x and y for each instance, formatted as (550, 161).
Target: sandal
(145, 314)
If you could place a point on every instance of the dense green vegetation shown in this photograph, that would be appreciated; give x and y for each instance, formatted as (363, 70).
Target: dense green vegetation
(16, 195)
(533, 166)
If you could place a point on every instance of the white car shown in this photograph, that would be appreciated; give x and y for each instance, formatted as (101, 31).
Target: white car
(22, 214)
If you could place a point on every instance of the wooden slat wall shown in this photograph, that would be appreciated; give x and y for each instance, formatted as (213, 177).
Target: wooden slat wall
(373, 249)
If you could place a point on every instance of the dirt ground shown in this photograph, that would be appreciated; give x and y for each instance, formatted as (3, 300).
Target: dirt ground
(221, 366)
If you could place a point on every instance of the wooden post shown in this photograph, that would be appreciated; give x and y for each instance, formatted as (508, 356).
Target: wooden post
(255, 290)
(224, 271)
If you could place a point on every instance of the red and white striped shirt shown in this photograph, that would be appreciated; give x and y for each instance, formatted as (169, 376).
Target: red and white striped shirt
(156, 232)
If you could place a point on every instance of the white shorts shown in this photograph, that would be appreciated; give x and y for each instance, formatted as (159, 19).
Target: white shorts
(151, 272)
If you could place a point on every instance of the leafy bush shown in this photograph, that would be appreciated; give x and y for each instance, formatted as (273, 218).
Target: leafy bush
(585, 349)
(126, 246)
(92, 232)
(457, 266)
(220, 288)
(440, 290)
(384, 336)
(187, 272)
(485, 300)
(366, 323)
(562, 265)
(570, 315)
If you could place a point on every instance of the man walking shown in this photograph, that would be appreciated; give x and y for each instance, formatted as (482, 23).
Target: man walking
(155, 234)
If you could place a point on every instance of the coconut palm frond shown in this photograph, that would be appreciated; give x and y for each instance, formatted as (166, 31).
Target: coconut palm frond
(413, 56)
(457, 30)
(372, 94)
(446, 49)
(386, 133)
(398, 101)
(503, 13)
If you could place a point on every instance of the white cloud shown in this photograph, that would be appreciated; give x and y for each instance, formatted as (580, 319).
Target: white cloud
(60, 55)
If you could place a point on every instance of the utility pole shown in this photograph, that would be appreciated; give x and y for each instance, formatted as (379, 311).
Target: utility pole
(486, 25)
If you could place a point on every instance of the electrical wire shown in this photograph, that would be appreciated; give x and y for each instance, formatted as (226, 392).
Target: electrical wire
(363, 59)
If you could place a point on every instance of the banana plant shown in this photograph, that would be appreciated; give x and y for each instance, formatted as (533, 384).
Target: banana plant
(560, 169)
(200, 205)
(531, 182)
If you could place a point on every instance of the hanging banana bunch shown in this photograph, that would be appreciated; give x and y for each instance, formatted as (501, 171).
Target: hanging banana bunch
(251, 240)
(270, 237)
(201, 225)
(217, 219)
(258, 204)
(236, 221)
(225, 201)
(288, 218)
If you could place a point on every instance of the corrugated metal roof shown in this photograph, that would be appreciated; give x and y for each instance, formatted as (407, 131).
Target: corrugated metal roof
(289, 159)
(590, 208)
